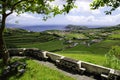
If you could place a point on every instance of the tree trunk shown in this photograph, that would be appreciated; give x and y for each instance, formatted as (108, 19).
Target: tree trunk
(3, 51)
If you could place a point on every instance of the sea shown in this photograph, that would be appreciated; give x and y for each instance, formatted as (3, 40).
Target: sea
(40, 28)
(37, 28)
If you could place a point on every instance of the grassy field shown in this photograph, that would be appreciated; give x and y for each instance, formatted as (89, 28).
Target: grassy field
(85, 56)
(115, 36)
(95, 53)
(36, 71)
(97, 48)
(68, 35)
(48, 46)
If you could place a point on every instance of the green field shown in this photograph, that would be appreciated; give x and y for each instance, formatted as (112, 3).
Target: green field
(36, 71)
(48, 46)
(68, 35)
(85, 56)
(115, 36)
(95, 53)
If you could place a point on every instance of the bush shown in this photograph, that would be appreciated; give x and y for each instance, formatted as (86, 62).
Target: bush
(113, 57)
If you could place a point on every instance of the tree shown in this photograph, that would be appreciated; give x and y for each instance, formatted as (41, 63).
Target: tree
(114, 4)
(7, 7)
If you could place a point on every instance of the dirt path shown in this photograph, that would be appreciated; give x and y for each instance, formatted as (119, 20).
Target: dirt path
(76, 76)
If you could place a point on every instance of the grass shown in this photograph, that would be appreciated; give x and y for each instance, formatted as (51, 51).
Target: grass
(36, 71)
(95, 53)
(115, 36)
(85, 56)
(70, 35)
(75, 35)
(48, 46)
(97, 48)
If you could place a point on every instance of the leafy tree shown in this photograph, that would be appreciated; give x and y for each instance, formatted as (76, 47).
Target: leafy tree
(114, 4)
(7, 7)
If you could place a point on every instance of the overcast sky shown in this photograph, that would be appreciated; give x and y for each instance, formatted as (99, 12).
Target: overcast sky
(79, 16)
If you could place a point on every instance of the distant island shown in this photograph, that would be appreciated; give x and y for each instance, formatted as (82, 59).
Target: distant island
(75, 27)
(40, 28)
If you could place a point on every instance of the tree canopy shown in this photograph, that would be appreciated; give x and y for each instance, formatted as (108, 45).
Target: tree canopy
(35, 6)
(114, 4)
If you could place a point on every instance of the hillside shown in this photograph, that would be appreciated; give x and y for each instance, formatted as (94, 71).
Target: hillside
(88, 45)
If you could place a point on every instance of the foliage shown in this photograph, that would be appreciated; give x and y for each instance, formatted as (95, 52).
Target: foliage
(35, 6)
(113, 57)
(114, 4)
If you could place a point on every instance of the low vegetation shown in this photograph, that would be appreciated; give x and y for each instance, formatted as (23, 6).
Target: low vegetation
(113, 57)
(36, 71)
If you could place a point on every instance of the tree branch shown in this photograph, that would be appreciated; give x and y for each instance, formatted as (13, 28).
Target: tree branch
(13, 7)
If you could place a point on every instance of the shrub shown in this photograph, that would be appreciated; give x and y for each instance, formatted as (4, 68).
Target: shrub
(113, 57)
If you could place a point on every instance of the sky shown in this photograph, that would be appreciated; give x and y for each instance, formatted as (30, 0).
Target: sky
(82, 15)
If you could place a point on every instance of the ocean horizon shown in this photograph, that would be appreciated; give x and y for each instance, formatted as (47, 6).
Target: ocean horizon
(37, 28)
(40, 28)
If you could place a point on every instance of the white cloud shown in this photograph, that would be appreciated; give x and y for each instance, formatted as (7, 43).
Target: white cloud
(80, 19)
(78, 16)
(84, 6)
(57, 3)
(95, 11)
(24, 18)
(75, 19)
(104, 20)
(118, 8)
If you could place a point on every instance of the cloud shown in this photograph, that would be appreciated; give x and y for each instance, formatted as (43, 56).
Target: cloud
(104, 20)
(80, 19)
(86, 0)
(80, 15)
(84, 6)
(118, 8)
(57, 3)
(24, 18)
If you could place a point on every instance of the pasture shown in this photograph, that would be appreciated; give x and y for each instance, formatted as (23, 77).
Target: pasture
(50, 41)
